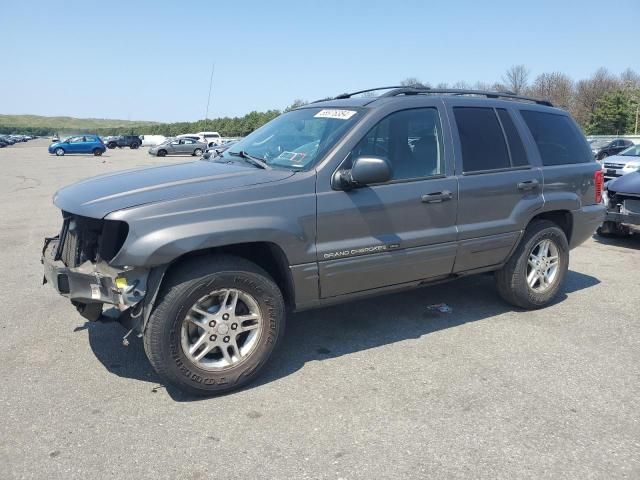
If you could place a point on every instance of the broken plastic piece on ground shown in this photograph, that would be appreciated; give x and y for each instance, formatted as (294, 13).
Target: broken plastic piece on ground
(440, 307)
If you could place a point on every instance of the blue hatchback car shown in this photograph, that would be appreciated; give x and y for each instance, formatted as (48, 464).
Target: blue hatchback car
(79, 144)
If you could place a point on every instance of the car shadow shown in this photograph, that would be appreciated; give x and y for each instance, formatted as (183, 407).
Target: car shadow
(627, 241)
(331, 332)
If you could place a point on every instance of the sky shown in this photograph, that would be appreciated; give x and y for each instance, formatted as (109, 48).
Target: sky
(152, 60)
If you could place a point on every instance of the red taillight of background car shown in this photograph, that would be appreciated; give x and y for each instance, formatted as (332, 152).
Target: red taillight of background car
(598, 182)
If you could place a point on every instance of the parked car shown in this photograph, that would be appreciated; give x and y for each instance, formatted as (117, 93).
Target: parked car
(8, 140)
(371, 195)
(78, 144)
(211, 139)
(605, 148)
(624, 162)
(622, 200)
(217, 150)
(178, 146)
(131, 141)
(3, 143)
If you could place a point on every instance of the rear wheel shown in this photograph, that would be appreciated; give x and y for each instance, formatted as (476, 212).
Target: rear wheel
(215, 325)
(603, 155)
(59, 151)
(134, 146)
(112, 145)
(197, 152)
(97, 152)
(535, 272)
(162, 153)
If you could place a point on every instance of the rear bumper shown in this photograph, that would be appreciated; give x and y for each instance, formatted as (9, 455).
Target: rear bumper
(585, 222)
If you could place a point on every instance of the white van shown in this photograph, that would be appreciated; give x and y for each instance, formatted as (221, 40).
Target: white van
(210, 138)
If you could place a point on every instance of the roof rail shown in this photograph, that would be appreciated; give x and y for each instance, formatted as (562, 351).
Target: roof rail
(459, 91)
(395, 91)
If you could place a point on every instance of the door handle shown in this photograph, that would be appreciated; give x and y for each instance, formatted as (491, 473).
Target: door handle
(437, 197)
(528, 185)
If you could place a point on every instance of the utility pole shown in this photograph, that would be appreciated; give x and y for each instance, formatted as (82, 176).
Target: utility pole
(206, 113)
(637, 112)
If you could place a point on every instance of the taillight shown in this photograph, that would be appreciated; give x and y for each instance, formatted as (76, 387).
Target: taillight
(598, 181)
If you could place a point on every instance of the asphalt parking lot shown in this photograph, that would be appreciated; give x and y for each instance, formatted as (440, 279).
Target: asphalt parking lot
(384, 388)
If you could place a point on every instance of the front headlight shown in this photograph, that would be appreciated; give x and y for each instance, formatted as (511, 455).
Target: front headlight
(631, 167)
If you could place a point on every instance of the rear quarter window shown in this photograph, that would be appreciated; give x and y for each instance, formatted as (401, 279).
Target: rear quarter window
(557, 138)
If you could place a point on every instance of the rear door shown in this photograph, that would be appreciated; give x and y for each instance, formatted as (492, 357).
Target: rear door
(499, 188)
(400, 231)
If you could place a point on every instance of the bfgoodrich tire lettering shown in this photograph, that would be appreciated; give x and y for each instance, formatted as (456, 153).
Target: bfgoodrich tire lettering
(183, 289)
(511, 280)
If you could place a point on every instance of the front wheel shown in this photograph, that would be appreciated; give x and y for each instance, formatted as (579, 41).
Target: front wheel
(535, 272)
(59, 152)
(112, 145)
(134, 146)
(162, 153)
(197, 152)
(216, 323)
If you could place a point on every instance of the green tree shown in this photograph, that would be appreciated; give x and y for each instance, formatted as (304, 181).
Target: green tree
(614, 114)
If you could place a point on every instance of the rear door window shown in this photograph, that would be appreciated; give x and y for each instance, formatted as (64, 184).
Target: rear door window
(557, 138)
(516, 148)
(481, 138)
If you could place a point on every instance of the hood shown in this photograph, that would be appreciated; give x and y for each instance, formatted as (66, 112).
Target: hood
(629, 183)
(99, 196)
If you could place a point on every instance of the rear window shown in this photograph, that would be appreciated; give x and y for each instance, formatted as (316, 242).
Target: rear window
(481, 138)
(559, 141)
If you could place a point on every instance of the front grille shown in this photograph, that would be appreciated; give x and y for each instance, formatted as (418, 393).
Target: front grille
(614, 165)
(84, 238)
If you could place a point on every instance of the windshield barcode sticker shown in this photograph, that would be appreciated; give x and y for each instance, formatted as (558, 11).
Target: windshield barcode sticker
(339, 114)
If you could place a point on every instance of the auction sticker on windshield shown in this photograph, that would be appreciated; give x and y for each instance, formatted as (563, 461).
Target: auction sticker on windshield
(335, 113)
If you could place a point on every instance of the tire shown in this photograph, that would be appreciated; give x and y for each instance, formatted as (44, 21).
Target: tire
(112, 145)
(197, 152)
(97, 152)
(511, 280)
(60, 152)
(603, 155)
(134, 146)
(171, 331)
(162, 153)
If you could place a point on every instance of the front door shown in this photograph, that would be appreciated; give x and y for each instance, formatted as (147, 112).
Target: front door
(499, 189)
(397, 232)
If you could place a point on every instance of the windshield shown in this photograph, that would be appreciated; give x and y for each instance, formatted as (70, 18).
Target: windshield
(600, 143)
(632, 151)
(297, 139)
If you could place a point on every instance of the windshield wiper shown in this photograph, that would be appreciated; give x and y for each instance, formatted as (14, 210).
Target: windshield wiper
(255, 161)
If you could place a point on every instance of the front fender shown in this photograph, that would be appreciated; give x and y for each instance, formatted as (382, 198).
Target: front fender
(162, 246)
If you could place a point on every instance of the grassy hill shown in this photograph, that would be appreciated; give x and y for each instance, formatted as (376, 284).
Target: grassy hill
(36, 123)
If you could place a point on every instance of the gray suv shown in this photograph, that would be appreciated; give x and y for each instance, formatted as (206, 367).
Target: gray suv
(337, 200)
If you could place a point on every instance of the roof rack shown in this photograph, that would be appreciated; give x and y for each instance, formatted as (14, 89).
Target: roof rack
(459, 91)
(395, 91)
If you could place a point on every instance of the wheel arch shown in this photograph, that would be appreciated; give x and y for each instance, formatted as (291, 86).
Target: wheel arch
(562, 218)
(267, 255)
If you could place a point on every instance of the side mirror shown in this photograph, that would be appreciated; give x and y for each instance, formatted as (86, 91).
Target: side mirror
(365, 171)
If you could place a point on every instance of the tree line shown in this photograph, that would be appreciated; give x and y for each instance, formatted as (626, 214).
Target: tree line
(603, 104)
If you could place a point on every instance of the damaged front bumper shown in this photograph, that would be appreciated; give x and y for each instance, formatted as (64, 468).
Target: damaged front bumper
(93, 283)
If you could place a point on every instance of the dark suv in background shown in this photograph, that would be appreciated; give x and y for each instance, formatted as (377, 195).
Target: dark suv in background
(337, 200)
(131, 141)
